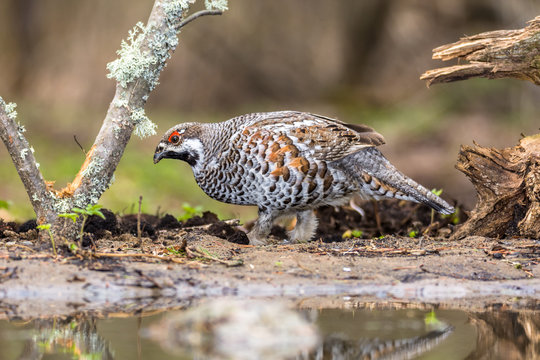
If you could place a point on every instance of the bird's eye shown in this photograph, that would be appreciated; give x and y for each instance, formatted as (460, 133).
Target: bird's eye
(174, 138)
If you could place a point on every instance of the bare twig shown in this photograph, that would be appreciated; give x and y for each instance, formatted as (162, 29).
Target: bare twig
(78, 143)
(197, 252)
(231, 222)
(198, 14)
(150, 256)
(139, 221)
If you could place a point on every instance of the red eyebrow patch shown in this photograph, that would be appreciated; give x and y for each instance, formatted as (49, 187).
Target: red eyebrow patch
(173, 134)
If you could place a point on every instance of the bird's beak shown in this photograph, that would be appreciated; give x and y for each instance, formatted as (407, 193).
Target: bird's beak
(160, 153)
(158, 156)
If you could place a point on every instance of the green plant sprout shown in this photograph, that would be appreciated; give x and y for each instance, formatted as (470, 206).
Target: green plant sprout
(47, 227)
(85, 213)
(431, 319)
(190, 211)
(454, 218)
(438, 193)
(5, 204)
(349, 234)
(413, 234)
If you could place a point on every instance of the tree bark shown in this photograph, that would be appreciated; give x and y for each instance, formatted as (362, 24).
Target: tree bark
(507, 180)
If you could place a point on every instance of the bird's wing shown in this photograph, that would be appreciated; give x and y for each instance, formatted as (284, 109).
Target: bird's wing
(319, 137)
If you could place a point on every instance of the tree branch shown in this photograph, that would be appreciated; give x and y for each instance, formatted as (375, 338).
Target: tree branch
(23, 158)
(197, 15)
(493, 54)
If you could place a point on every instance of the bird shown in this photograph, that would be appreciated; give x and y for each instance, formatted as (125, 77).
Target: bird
(289, 163)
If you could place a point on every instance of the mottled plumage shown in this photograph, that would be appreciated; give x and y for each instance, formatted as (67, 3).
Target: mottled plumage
(289, 163)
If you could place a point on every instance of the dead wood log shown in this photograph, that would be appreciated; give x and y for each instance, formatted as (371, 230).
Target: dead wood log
(493, 54)
(507, 180)
(508, 185)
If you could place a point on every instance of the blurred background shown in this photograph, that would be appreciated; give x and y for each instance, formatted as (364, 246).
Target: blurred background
(356, 60)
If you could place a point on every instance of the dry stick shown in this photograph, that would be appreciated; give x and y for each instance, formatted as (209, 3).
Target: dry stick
(231, 222)
(199, 253)
(152, 256)
(139, 222)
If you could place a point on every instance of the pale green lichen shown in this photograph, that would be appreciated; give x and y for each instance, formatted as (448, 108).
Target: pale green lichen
(143, 126)
(176, 8)
(216, 5)
(24, 152)
(132, 63)
(93, 168)
(62, 205)
(10, 110)
(121, 102)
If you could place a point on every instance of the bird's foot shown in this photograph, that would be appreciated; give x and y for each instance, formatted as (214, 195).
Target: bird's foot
(256, 239)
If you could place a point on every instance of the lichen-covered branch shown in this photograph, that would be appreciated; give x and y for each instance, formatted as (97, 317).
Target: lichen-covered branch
(142, 57)
(22, 155)
(494, 54)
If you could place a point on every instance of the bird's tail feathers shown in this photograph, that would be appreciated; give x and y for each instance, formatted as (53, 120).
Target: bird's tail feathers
(380, 179)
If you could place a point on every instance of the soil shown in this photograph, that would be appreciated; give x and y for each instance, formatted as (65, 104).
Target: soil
(172, 262)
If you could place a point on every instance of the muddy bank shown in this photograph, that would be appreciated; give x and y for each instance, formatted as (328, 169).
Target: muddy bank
(461, 274)
(173, 263)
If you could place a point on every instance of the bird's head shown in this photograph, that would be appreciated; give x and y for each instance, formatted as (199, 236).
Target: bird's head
(182, 142)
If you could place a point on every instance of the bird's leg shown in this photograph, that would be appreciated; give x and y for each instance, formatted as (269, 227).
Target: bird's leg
(357, 208)
(259, 234)
(306, 224)
(377, 217)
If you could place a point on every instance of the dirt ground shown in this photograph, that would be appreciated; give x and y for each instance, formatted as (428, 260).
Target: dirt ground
(172, 263)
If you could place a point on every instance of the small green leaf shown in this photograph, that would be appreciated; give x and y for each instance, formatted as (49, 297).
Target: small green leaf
(190, 211)
(5, 204)
(73, 247)
(431, 318)
(437, 192)
(173, 251)
(278, 263)
(413, 234)
(79, 210)
(43, 227)
(71, 216)
(96, 212)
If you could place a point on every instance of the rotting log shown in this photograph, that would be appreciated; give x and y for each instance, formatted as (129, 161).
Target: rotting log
(507, 180)
(508, 185)
(493, 54)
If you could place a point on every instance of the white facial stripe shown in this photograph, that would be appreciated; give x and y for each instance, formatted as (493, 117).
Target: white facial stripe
(195, 146)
